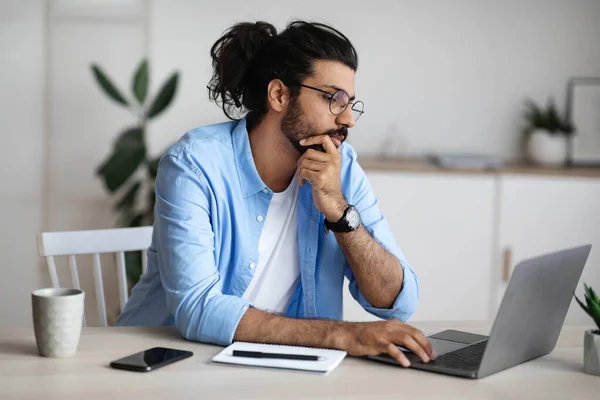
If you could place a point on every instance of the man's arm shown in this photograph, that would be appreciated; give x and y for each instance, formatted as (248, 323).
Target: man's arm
(185, 250)
(357, 338)
(378, 273)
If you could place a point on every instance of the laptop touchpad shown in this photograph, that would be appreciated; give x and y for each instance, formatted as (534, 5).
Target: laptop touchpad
(441, 346)
(445, 346)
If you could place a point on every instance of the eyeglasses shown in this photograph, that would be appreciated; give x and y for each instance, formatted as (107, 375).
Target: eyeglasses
(339, 102)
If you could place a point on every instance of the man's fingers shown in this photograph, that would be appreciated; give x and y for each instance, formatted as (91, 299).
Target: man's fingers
(324, 140)
(398, 355)
(425, 344)
(411, 344)
(329, 146)
(316, 155)
(311, 165)
(307, 175)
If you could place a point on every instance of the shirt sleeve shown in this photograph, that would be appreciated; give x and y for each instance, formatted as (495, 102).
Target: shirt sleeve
(186, 261)
(367, 204)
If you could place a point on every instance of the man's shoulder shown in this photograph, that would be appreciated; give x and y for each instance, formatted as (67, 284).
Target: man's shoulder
(206, 142)
(352, 174)
(349, 156)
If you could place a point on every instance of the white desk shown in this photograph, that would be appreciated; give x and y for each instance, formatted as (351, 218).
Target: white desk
(25, 375)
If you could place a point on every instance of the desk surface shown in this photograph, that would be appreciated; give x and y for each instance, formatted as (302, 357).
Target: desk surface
(25, 375)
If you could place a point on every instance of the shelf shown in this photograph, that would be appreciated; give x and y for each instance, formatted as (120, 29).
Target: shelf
(515, 168)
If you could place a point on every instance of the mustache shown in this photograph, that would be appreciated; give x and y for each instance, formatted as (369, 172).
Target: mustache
(343, 132)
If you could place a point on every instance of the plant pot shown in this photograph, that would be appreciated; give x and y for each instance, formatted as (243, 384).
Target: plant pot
(546, 149)
(591, 352)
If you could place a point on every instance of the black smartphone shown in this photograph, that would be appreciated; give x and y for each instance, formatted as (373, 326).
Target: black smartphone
(151, 359)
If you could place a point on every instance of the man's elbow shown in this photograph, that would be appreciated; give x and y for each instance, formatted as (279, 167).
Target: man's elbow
(211, 318)
(408, 298)
(188, 310)
(187, 323)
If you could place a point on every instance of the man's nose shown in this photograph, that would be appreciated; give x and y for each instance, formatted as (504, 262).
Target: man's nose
(346, 118)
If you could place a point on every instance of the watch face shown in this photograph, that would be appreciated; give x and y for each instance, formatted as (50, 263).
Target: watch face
(353, 218)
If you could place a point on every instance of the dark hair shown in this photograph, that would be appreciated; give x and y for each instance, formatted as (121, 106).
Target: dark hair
(250, 55)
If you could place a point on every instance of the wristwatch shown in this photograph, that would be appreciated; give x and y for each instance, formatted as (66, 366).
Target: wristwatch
(349, 222)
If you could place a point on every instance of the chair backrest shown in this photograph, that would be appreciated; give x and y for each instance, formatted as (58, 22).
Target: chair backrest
(95, 242)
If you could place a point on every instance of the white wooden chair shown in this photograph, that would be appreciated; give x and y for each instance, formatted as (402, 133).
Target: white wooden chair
(94, 242)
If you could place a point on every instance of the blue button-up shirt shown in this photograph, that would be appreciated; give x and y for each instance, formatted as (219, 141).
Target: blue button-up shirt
(209, 196)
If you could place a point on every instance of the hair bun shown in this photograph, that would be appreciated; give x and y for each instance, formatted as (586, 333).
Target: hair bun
(232, 56)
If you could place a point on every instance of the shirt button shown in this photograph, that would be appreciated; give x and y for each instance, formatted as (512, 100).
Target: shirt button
(251, 266)
(265, 190)
(260, 218)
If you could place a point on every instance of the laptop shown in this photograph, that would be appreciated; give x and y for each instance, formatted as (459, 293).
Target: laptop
(527, 325)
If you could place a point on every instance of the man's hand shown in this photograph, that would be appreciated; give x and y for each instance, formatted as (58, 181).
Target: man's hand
(373, 338)
(357, 338)
(323, 172)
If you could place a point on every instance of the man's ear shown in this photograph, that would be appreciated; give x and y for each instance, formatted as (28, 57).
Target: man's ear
(278, 95)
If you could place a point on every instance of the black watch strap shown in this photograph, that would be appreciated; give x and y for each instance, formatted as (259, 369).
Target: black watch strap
(344, 225)
(338, 226)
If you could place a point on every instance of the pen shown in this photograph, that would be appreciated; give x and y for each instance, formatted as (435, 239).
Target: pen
(259, 354)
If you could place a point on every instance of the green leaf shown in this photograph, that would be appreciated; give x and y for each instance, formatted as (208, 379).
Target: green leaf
(593, 309)
(131, 220)
(137, 220)
(108, 87)
(130, 139)
(595, 313)
(128, 153)
(582, 305)
(548, 118)
(151, 203)
(590, 292)
(153, 167)
(133, 265)
(140, 82)
(165, 96)
(128, 199)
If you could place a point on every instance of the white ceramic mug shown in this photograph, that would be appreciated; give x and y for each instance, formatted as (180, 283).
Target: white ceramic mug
(57, 320)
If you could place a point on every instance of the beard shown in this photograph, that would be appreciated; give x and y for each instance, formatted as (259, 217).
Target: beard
(296, 127)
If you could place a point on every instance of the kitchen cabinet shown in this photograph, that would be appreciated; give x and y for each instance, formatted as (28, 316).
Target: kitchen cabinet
(544, 214)
(444, 224)
(463, 232)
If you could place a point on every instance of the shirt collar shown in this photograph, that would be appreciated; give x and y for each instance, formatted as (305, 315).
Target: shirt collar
(250, 181)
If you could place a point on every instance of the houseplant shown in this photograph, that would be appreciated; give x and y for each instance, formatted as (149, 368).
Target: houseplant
(591, 348)
(547, 133)
(129, 172)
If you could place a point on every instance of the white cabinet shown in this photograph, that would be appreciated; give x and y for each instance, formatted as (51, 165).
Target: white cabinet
(444, 224)
(542, 214)
(463, 234)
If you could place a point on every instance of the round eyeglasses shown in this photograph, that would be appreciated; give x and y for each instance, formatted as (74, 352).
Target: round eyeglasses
(339, 102)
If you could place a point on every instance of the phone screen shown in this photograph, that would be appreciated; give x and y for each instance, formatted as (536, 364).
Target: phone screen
(150, 359)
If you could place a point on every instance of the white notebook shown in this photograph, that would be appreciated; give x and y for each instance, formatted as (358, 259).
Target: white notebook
(328, 359)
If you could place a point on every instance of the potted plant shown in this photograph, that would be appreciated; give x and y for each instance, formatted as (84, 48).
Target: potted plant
(547, 133)
(591, 348)
(129, 172)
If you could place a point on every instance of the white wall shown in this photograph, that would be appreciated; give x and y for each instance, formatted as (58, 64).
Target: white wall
(22, 116)
(84, 122)
(443, 75)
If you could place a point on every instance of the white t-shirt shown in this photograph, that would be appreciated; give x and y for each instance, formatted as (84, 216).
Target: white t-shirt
(278, 269)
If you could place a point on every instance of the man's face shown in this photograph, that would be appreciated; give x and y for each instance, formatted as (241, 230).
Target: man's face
(309, 113)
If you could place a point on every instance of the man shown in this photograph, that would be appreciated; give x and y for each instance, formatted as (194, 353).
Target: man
(258, 220)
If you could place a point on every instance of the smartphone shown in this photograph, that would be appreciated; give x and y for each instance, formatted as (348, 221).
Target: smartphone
(151, 359)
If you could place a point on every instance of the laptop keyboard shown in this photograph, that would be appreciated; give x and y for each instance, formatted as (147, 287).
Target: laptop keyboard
(468, 358)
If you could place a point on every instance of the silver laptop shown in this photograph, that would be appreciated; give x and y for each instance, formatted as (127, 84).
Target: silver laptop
(527, 325)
